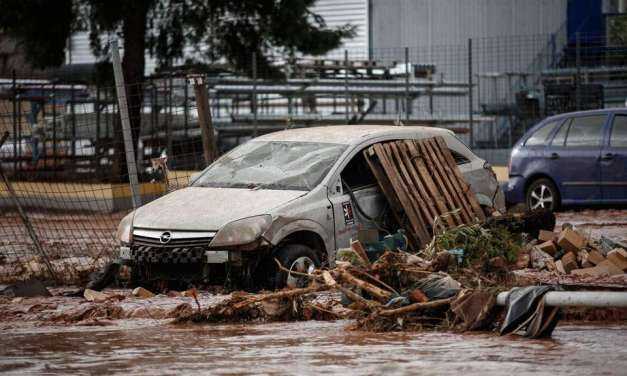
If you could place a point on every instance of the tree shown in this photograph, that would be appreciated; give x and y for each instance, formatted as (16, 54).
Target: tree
(231, 29)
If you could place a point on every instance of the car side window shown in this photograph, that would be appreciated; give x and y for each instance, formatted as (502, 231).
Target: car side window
(540, 137)
(585, 131)
(357, 173)
(560, 136)
(459, 159)
(618, 137)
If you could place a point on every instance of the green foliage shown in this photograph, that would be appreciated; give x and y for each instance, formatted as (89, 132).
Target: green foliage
(41, 26)
(617, 30)
(216, 29)
(480, 243)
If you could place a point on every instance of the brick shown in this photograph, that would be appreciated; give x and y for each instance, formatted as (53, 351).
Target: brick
(560, 267)
(609, 267)
(546, 236)
(571, 241)
(548, 247)
(595, 257)
(569, 261)
(618, 257)
(590, 272)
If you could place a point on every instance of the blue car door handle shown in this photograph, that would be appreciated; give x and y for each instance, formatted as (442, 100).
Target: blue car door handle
(607, 157)
(554, 156)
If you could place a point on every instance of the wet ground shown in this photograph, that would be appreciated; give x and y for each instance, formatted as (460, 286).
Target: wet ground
(140, 347)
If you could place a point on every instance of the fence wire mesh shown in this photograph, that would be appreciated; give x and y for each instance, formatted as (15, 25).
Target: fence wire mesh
(64, 157)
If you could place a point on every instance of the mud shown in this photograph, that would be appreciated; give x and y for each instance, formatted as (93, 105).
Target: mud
(308, 348)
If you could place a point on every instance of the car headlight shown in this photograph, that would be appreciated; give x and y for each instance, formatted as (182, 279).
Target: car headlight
(242, 231)
(125, 228)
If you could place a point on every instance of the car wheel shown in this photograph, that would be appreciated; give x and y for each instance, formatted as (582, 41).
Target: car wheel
(542, 194)
(298, 258)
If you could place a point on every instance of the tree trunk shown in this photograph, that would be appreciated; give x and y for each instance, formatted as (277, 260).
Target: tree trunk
(133, 64)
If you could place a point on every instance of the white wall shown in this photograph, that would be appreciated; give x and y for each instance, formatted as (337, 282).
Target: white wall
(400, 23)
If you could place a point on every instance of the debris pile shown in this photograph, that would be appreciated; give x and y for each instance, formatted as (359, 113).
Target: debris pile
(451, 284)
(570, 253)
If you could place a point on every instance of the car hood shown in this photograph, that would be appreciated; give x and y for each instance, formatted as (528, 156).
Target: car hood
(207, 209)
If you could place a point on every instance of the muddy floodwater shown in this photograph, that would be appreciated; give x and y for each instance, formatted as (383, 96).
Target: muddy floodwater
(308, 348)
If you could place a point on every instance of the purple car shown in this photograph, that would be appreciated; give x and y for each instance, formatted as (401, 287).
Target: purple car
(571, 159)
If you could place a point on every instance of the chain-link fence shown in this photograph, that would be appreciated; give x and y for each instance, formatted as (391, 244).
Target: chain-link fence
(67, 185)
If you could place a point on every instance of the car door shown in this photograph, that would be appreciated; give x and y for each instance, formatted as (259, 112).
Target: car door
(356, 199)
(573, 158)
(613, 161)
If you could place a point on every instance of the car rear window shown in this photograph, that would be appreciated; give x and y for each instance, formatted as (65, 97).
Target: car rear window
(618, 138)
(541, 136)
(585, 131)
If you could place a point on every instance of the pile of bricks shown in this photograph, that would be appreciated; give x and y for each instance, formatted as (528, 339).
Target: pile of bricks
(569, 252)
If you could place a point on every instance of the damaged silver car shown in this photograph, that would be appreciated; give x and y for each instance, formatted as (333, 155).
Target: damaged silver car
(296, 195)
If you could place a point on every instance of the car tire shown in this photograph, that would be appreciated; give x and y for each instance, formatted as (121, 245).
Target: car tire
(542, 194)
(295, 257)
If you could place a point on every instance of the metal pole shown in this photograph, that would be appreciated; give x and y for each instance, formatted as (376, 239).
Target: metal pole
(470, 100)
(346, 84)
(129, 148)
(185, 108)
(407, 99)
(54, 129)
(14, 90)
(97, 143)
(578, 64)
(73, 113)
(254, 94)
(615, 299)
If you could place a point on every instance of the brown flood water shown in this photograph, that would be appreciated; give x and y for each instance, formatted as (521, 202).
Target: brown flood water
(141, 347)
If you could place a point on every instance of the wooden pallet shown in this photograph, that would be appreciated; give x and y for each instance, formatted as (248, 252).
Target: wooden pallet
(421, 182)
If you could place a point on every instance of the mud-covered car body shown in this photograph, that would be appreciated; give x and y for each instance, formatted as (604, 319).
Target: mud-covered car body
(289, 187)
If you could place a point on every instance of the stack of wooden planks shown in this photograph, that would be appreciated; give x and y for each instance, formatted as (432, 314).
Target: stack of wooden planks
(421, 182)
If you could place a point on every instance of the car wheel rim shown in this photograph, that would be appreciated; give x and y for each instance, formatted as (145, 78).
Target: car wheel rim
(541, 198)
(300, 265)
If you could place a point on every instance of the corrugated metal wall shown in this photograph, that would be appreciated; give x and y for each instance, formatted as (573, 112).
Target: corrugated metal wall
(400, 23)
(80, 52)
(338, 13)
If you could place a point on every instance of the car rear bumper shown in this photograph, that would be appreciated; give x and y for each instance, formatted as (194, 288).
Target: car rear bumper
(515, 190)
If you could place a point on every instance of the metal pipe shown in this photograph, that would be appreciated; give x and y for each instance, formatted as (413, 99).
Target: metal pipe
(254, 95)
(407, 99)
(129, 147)
(603, 299)
(470, 99)
(346, 84)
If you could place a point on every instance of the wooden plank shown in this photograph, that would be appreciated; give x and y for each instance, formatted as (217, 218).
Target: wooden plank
(418, 201)
(402, 195)
(450, 182)
(424, 193)
(388, 191)
(411, 208)
(472, 198)
(442, 183)
(434, 192)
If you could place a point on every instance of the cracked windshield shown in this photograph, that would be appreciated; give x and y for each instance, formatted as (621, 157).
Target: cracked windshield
(272, 165)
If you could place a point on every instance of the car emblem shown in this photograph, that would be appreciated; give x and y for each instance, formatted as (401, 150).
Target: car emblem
(165, 237)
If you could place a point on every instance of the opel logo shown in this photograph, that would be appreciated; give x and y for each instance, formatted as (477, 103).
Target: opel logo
(165, 237)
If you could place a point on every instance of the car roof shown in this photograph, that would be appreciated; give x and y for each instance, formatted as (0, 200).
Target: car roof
(351, 134)
(602, 111)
